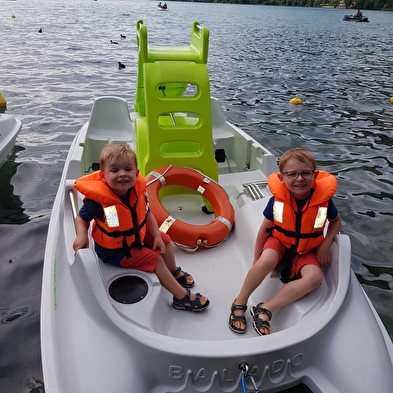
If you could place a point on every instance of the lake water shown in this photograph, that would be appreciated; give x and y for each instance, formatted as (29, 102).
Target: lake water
(260, 57)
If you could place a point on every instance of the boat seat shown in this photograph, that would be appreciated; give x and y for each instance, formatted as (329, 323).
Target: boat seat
(109, 122)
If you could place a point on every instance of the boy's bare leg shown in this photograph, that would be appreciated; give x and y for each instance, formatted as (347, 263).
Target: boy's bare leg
(169, 282)
(259, 270)
(294, 290)
(169, 259)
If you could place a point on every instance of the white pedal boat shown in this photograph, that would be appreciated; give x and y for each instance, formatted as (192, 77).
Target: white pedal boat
(107, 329)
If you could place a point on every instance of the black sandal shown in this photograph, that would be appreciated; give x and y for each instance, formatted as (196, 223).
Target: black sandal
(233, 317)
(182, 280)
(259, 323)
(190, 305)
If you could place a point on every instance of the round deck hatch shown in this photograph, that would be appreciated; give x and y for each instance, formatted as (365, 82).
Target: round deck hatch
(128, 289)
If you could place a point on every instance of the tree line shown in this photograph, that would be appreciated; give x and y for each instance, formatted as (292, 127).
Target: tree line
(380, 5)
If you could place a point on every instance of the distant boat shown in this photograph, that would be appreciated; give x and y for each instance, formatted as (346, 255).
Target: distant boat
(162, 7)
(354, 18)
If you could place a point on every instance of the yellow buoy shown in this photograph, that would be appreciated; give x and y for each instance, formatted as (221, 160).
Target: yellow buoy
(391, 100)
(296, 101)
(3, 102)
(13, 16)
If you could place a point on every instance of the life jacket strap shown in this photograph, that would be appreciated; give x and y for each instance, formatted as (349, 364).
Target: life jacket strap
(129, 232)
(288, 233)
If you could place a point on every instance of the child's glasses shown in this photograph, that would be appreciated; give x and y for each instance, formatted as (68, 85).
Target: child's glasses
(293, 175)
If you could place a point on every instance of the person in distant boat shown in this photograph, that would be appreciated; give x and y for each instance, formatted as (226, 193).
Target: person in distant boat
(292, 231)
(124, 230)
(359, 14)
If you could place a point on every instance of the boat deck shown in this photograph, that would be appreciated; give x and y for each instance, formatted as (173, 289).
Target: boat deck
(84, 325)
(218, 273)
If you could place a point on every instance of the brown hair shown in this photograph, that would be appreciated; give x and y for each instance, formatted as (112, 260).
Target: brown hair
(114, 151)
(299, 154)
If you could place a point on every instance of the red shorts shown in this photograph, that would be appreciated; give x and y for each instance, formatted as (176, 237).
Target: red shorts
(298, 261)
(144, 258)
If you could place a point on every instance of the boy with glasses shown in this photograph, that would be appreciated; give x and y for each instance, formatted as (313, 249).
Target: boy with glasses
(293, 230)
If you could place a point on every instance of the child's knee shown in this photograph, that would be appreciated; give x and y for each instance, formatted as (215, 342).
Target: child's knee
(269, 257)
(160, 263)
(313, 275)
(316, 278)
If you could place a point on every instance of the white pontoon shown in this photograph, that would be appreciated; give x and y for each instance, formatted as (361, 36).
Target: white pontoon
(107, 329)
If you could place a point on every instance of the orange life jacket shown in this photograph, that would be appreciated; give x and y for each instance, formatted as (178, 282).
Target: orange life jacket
(123, 226)
(301, 231)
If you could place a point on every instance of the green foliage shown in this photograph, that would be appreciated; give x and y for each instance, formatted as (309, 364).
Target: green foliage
(385, 5)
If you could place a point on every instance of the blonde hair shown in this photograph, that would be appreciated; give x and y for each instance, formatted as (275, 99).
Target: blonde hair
(114, 151)
(299, 154)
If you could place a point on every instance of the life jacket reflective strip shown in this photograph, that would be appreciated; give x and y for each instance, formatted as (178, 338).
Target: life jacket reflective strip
(301, 231)
(123, 226)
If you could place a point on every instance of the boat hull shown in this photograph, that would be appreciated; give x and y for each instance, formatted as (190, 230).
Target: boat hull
(91, 342)
(9, 130)
(94, 340)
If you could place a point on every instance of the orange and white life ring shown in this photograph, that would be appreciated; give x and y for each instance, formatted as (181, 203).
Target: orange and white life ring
(182, 233)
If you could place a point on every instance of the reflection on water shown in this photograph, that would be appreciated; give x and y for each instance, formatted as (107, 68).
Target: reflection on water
(11, 210)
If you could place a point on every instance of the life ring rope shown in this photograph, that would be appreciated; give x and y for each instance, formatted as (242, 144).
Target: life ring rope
(185, 235)
(158, 176)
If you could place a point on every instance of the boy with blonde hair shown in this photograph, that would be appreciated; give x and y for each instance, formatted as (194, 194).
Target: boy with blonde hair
(124, 230)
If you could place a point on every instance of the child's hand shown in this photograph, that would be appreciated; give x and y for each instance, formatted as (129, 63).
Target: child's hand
(158, 244)
(80, 242)
(323, 254)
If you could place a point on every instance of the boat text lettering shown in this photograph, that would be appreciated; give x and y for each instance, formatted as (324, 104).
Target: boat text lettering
(275, 371)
